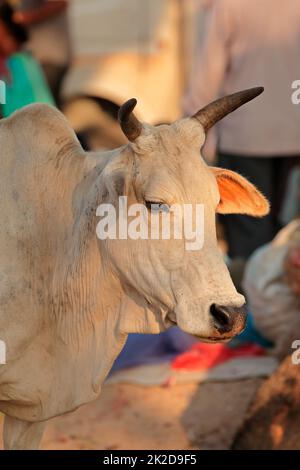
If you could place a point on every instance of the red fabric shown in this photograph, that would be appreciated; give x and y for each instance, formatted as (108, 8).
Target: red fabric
(203, 356)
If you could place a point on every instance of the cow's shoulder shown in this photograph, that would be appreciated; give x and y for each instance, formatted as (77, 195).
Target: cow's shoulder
(39, 124)
(37, 112)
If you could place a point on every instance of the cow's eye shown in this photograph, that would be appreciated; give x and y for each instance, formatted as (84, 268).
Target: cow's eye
(155, 206)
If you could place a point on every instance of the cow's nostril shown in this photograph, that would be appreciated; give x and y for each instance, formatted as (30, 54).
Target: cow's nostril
(222, 319)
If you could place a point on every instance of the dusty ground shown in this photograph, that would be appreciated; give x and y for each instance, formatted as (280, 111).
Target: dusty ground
(185, 416)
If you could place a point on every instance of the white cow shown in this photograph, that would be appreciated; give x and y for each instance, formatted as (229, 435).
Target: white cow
(67, 299)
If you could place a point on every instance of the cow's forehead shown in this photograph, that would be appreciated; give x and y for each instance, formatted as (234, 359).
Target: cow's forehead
(173, 139)
(170, 163)
(174, 149)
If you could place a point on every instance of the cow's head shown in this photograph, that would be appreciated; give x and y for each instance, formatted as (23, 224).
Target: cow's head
(161, 167)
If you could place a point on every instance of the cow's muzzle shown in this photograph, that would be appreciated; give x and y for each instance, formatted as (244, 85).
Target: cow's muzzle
(227, 321)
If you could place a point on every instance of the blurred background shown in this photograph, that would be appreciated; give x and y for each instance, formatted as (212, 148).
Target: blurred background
(87, 57)
(106, 51)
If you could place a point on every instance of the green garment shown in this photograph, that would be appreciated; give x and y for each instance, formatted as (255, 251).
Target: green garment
(25, 85)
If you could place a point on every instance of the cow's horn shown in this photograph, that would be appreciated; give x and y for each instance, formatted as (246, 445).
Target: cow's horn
(130, 125)
(213, 112)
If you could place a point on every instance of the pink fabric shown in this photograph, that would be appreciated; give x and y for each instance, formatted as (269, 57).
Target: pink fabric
(252, 43)
(204, 356)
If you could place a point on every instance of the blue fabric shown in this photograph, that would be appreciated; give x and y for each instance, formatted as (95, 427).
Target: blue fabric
(153, 349)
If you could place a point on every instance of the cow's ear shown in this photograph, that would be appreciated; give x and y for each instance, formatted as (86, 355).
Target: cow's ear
(238, 196)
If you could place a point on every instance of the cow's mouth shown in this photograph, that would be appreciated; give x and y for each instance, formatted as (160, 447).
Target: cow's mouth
(171, 321)
(214, 339)
(224, 323)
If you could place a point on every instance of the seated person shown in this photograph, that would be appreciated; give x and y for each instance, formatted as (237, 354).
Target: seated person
(272, 288)
(23, 78)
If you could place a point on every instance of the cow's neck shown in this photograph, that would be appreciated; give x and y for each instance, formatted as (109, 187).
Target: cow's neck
(90, 298)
